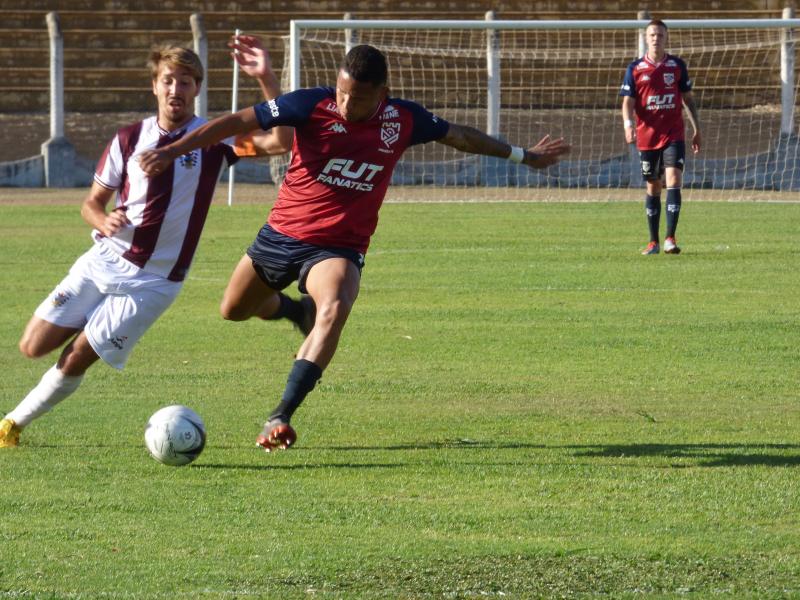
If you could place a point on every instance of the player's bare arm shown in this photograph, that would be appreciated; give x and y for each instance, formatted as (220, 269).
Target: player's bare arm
(155, 161)
(694, 120)
(94, 212)
(468, 139)
(253, 58)
(628, 119)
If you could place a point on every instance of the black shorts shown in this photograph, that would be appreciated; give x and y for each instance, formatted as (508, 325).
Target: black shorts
(279, 259)
(655, 161)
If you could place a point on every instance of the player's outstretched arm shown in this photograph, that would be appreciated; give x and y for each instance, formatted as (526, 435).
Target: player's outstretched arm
(251, 55)
(155, 161)
(468, 139)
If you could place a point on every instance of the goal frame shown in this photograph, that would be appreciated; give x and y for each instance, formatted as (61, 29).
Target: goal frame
(491, 26)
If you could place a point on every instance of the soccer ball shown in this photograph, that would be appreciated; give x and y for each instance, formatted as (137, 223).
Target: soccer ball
(175, 435)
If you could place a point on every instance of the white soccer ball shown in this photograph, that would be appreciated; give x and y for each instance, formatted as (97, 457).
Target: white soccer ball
(175, 435)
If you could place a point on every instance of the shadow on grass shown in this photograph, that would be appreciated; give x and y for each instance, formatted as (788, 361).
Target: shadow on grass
(705, 455)
(305, 467)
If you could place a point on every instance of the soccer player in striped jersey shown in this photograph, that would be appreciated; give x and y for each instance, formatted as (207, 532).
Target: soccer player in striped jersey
(347, 142)
(143, 246)
(654, 91)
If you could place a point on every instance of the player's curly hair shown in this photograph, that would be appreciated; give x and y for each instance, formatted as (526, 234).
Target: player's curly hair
(366, 64)
(176, 56)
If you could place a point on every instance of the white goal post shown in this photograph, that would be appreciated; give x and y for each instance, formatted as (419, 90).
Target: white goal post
(521, 79)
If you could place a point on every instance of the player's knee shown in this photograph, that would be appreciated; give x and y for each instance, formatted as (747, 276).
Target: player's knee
(234, 311)
(229, 312)
(28, 349)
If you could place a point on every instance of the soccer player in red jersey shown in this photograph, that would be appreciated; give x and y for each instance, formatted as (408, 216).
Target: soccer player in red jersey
(654, 91)
(347, 142)
(143, 246)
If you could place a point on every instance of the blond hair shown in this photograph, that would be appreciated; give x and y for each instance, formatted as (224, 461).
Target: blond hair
(176, 56)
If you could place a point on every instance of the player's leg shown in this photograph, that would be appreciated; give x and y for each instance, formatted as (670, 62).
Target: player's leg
(254, 287)
(651, 173)
(333, 284)
(58, 383)
(247, 295)
(42, 337)
(674, 156)
(60, 316)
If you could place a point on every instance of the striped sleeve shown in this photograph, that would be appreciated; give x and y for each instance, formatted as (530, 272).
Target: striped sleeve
(110, 167)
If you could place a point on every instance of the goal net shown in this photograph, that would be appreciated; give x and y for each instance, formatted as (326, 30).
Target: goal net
(563, 79)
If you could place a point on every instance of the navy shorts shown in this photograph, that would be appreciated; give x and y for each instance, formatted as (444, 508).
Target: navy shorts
(655, 161)
(279, 259)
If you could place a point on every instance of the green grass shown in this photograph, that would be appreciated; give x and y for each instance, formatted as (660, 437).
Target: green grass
(521, 406)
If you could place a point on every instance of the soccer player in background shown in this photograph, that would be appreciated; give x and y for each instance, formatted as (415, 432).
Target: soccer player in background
(654, 91)
(143, 246)
(347, 142)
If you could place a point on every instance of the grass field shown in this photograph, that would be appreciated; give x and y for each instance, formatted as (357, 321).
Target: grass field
(521, 406)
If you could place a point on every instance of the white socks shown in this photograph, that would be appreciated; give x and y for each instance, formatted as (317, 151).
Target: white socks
(52, 389)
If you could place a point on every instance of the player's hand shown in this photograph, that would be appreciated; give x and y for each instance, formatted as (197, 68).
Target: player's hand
(153, 162)
(696, 142)
(113, 222)
(250, 54)
(546, 152)
(630, 135)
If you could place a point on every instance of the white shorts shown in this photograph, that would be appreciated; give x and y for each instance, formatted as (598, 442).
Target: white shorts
(112, 300)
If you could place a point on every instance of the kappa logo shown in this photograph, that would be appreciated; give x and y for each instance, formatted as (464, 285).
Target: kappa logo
(337, 128)
(645, 77)
(390, 133)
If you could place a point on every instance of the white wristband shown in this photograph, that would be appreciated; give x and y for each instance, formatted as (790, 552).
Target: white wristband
(628, 123)
(517, 154)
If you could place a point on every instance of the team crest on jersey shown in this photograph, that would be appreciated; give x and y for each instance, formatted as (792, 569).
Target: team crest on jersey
(390, 133)
(669, 78)
(188, 160)
(60, 299)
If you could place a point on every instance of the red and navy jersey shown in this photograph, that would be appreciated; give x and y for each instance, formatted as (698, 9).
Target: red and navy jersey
(340, 170)
(658, 89)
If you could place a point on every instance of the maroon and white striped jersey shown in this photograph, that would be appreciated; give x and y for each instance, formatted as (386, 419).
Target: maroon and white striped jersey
(167, 211)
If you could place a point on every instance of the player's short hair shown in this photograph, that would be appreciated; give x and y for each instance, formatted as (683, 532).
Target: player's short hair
(658, 23)
(366, 64)
(176, 56)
